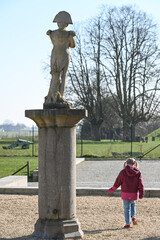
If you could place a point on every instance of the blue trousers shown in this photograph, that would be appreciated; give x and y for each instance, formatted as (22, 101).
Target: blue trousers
(129, 210)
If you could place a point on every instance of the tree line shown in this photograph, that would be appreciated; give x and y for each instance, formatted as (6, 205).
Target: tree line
(7, 127)
(114, 70)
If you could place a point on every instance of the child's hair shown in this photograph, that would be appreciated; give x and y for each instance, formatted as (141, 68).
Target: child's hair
(130, 161)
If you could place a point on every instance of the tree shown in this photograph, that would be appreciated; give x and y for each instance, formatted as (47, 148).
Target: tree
(117, 56)
(112, 124)
(10, 126)
(143, 129)
(131, 65)
(86, 75)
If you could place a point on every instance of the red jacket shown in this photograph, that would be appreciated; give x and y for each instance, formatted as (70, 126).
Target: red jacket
(131, 183)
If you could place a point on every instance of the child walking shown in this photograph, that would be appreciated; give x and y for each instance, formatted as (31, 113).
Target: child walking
(132, 188)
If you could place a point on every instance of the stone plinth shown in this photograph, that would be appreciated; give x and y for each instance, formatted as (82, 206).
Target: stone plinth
(57, 172)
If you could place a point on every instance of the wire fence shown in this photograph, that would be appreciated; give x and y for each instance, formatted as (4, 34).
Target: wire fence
(147, 147)
(107, 148)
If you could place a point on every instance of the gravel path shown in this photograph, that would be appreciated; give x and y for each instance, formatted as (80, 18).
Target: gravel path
(103, 173)
(101, 218)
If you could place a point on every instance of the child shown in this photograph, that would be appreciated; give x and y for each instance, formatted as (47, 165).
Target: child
(132, 188)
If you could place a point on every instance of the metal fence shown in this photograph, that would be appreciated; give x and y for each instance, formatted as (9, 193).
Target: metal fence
(106, 148)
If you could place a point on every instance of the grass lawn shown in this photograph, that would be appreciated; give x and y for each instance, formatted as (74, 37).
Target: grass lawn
(13, 159)
(18, 151)
(9, 165)
(117, 149)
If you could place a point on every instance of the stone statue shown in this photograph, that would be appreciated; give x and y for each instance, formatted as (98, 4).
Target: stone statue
(60, 58)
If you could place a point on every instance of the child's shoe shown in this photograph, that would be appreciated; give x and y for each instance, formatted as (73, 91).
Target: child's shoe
(127, 226)
(134, 221)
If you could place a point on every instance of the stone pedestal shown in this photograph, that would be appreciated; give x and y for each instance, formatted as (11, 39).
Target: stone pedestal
(57, 172)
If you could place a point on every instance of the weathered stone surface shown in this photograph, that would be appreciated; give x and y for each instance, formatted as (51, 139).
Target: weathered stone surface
(57, 172)
(57, 143)
(56, 117)
(64, 17)
(60, 229)
(13, 181)
(57, 105)
(62, 40)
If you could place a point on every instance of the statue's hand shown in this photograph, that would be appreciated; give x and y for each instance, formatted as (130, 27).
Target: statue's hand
(72, 33)
(48, 32)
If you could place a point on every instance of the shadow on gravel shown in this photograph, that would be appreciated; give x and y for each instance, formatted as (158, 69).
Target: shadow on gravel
(29, 237)
(101, 230)
(151, 238)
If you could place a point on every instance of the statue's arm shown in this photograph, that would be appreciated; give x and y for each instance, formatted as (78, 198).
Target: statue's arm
(72, 43)
(49, 32)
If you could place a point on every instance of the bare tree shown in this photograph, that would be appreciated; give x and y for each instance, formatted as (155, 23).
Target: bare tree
(112, 123)
(118, 53)
(86, 75)
(131, 65)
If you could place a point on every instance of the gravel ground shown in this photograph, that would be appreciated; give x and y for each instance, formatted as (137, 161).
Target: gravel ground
(103, 173)
(101, 218)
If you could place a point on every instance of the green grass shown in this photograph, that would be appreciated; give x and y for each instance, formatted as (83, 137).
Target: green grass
(13, 159)
(9, 165)
(18, 151)
(155, 133)
(105, 148)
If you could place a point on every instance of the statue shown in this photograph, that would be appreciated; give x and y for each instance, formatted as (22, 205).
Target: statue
(60, 58)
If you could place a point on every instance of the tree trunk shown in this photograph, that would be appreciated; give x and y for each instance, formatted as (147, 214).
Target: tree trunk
(126, 132)
(133, 137)
(95, 132)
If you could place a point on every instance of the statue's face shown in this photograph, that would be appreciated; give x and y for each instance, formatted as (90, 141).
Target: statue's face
(62, 25)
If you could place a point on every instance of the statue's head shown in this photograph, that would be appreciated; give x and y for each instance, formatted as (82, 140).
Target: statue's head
(63, 17)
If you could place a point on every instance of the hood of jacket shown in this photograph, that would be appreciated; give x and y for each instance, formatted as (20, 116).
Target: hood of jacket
(131, 170)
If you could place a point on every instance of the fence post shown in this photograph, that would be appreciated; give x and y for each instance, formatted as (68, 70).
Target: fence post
(81, 140)
(33, 141)
(28, 170)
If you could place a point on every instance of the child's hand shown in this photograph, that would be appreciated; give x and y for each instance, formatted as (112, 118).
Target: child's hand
(140, 197)
(110, 190)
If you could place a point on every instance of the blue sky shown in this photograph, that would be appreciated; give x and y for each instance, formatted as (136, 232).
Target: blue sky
(25, 47)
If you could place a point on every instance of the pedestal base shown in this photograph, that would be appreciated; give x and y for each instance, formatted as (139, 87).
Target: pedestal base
(57, 172)
(58, 229)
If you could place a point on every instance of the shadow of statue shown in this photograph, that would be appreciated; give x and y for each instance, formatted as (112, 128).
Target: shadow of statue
(151, 238)
(101, 230)
(29, 237)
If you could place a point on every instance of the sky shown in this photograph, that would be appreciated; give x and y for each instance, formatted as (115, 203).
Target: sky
(25, 48)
